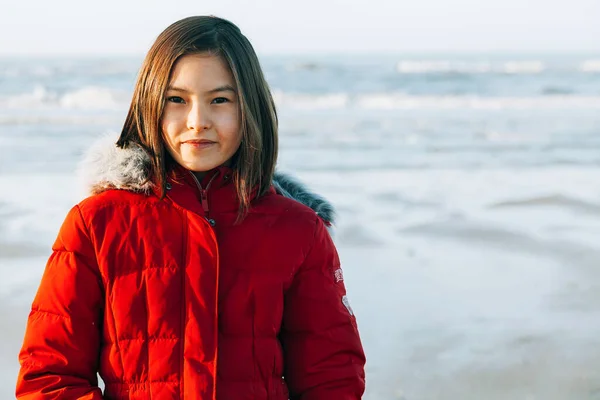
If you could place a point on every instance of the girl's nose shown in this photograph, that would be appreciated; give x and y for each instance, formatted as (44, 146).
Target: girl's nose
(198, 119)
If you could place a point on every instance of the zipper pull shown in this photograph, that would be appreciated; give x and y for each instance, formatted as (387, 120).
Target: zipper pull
(204, 198)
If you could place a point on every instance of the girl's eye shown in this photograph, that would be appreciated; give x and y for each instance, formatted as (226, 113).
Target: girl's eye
(175, 99)
(220, 100)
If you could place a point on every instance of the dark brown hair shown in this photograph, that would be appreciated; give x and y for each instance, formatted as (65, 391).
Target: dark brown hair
(254, 162)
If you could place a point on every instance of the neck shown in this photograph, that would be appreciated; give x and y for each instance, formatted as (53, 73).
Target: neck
(200, 175)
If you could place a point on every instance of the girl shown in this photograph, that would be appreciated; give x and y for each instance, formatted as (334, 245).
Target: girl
(186, 275)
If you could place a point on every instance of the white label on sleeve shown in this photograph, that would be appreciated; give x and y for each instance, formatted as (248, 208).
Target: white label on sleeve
(346, 304)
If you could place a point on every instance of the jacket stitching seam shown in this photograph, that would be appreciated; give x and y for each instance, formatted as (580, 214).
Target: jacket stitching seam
(141, 339)
(137, 383)
(137, 271)
(40, 311)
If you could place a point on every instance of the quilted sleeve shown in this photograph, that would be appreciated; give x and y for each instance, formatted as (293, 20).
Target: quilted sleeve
(59, 356)
(324, 358)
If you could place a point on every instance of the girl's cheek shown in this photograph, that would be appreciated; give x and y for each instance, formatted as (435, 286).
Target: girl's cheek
(231, 119)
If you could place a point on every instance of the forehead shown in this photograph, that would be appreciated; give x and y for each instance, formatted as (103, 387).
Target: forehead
(201, 70)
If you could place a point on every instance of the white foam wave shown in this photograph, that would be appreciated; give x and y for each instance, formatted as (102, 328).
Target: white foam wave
(36, 98)
(447, 66)
(92, 98)
(523, 67)
(86, 98)
(312, 102)
(590, 66)
(104, 99)
(400, 101)
(51, 118)
(420, 67)
(38, 71)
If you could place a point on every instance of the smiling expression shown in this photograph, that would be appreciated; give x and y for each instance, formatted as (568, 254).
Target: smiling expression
(201, 121)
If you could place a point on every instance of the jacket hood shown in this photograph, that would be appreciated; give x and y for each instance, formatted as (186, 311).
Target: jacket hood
(106, 166)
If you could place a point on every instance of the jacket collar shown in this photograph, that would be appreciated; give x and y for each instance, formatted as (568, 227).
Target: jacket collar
(215, 194)
(106, 166)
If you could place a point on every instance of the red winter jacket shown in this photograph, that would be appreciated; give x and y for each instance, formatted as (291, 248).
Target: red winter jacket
(168, 299)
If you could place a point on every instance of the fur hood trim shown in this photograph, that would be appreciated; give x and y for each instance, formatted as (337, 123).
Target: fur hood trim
(106, 166)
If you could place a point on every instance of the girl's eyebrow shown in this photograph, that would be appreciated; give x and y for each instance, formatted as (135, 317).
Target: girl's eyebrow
(222, 88)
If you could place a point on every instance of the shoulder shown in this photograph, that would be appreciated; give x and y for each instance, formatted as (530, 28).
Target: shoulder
(114, 204)
(291, 188)
(276, 203)
(289, 196)
(297, 209)
(287, 211)
(114, 198)
(290, 221)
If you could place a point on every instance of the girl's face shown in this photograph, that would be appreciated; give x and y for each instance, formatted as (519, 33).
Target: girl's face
(201, 122)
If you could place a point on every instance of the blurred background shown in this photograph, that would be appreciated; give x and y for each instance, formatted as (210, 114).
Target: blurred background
(458, 140)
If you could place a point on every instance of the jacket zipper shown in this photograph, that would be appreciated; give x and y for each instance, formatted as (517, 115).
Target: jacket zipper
(204, 196)
(204, 201)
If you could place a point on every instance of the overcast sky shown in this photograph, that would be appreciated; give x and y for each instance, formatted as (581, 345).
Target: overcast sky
(308, 26)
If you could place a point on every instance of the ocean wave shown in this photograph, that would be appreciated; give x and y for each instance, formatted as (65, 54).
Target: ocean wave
(308, 101)
(401, 101)
(66, 68)
(94, 98)
(305, 66)
(111, 118)
(421, 67)
(463, 67)
(590, 66)
(523, 67)
(37, 71)
(86, 98)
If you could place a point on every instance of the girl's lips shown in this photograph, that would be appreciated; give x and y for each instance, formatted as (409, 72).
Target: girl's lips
(199, 143)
